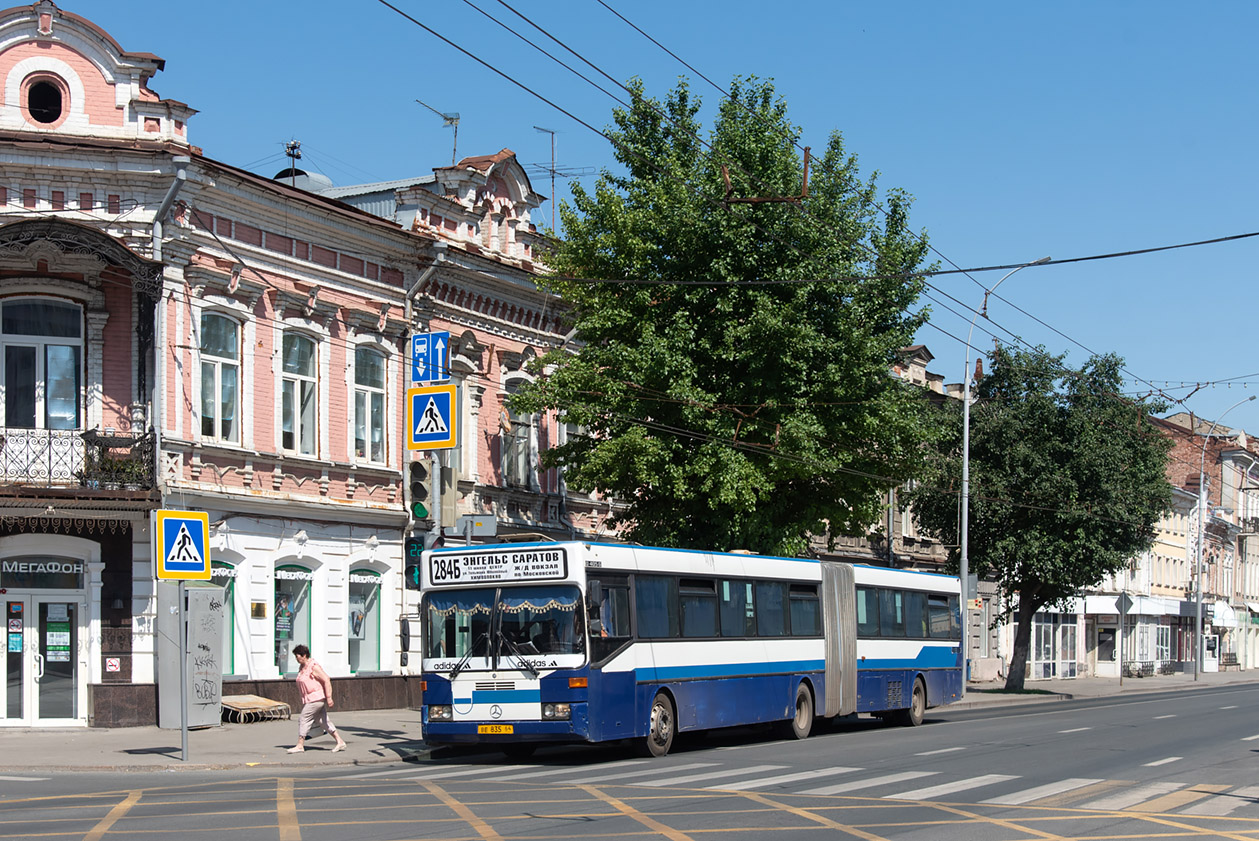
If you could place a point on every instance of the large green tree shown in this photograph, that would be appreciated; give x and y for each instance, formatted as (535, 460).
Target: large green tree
(733, 374)
(1067, 481)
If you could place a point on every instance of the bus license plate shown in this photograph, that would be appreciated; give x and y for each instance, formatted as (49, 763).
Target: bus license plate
(494, 729)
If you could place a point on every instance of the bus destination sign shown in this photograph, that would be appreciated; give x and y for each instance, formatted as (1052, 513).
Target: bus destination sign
(490, 567)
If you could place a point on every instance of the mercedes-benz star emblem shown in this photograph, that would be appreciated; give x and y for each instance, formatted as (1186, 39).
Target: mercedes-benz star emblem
(496, 711)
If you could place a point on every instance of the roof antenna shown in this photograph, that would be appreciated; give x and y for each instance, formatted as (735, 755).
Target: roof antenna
(294, 150)
(567, 172)
(451, 120)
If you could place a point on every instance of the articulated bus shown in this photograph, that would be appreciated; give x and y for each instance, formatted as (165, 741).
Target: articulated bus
(527, 644)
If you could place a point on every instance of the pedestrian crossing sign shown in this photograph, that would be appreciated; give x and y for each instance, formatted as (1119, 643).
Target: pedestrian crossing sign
(431, 417)
(181, 545)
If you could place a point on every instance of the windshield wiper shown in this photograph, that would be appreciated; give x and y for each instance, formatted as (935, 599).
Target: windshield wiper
(463, 661)
(520, 658)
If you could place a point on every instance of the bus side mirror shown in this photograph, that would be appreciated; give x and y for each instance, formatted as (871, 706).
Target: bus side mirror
(404, 634)
(594, 596)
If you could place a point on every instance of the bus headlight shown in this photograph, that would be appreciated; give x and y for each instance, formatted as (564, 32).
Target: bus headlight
(556, 712)
(440, 712)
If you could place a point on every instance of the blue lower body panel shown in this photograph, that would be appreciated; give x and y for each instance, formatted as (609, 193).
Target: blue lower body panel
(465, 732)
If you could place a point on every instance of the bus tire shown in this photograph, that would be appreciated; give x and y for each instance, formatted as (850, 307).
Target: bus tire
(913, 716)
(801, 724)
(660, 727)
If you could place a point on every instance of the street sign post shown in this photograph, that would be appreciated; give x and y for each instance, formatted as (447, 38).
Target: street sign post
(181, 545)
(429, 357)
(431, 417)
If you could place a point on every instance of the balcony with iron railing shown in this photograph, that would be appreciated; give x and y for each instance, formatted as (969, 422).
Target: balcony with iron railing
(57, 463)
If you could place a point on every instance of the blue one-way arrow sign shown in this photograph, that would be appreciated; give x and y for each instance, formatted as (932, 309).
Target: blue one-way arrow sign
(428, 357)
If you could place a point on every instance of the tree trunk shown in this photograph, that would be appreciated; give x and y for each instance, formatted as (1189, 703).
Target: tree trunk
(1017, 673)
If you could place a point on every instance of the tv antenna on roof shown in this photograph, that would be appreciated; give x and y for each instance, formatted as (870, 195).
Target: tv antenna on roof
(451, 120)
(567, 172)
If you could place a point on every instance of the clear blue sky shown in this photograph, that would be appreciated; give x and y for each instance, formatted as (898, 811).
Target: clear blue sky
(1023, 130)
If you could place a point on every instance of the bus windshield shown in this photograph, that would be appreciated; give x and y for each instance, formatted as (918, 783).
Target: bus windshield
(532, 620)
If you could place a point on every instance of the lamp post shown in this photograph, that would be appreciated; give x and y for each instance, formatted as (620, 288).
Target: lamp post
(1202, 516)
(964, 564)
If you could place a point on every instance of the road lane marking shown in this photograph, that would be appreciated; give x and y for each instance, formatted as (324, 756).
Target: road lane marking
(1158, 762)
(713, 775)
(630, 812)
(539, 772)
(870, 782)
(1250, 738)
(1160, 717)
(1076, 730)
(25, 779)
(941, 750)
(1018, 798)
(115, 814)
(1132, 796)
(1224, 804)
(419, 773)
(1175, 800)
(467, 815)
(932, 792)
(648, 772)
(1229, 707)
(286, 810)
(784, 778)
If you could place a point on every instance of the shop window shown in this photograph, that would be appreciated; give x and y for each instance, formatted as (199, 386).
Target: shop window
(292, 614)
(224, 575)
(369, 405)
(42, 344)
(364, 621)
(220, 378)
(299, 390)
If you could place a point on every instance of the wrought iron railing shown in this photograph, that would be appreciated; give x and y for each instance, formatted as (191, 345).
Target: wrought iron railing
(73, 459)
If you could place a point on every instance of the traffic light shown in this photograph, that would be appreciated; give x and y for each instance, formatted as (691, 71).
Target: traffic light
(412, 547)
(419, 485)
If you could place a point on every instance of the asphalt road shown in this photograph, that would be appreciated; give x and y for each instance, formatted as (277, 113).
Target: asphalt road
(1177, 764)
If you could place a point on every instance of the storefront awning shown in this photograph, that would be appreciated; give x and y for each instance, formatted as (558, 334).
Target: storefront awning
(1223, 615)
(1141, 605)
(1100, 604)
(1253, 607)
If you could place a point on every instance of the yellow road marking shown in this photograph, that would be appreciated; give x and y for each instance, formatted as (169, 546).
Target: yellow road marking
(1190, 830)
(1013, 825)
(1079, 794)
(810, 816)
(286, 810)
(1176, 799)
(483, 829)
(630, 811)
(115, 814)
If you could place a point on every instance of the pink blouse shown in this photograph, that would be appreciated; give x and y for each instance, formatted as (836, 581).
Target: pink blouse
(309, 685)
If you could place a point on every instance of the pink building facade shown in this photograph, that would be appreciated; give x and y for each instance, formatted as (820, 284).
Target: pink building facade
(178, 333)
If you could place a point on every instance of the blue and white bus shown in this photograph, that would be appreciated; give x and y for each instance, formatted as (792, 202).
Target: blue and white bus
(525, 644)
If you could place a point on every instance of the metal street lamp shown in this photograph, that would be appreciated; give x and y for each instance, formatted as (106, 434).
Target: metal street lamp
(1202, 515)
(964, 566)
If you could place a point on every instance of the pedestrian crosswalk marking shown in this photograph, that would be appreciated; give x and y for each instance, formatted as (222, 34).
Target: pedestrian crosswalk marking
(1071, 797)
(1018, 798)
(1132, 796)
(782, 779)
(1224, 804)
(870, 782)
(712, 775)
(537, 772)
(648, 772)
(932, 792)
(1175, 800)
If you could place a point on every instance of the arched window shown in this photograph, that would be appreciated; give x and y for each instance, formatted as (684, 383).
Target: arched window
(292, 613)
(42, 344)
(517, 443)
(369, 405)
(224, 574)
(299, 395)
(364, 620)
(220, 378)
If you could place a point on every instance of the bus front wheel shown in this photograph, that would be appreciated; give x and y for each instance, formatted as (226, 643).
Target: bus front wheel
(660, 727)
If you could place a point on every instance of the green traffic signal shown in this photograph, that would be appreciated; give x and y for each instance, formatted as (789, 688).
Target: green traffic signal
(419, 510)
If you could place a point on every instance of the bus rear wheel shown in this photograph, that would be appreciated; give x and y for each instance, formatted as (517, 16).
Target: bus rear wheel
(913, 716)
(660, 727)
(800, 725)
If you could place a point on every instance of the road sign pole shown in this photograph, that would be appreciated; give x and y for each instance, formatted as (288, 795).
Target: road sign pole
(183, 674)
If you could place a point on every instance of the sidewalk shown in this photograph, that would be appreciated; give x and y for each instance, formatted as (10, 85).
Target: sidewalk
(378, 736)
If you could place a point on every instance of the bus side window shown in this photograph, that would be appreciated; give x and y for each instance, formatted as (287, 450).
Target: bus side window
(614, 611)
(891, 613)
(916, 614)
(806, 611)
(656, 606)
(771, 609)
(943, 617)
(867, 612)
(738, 616)
(699, 607)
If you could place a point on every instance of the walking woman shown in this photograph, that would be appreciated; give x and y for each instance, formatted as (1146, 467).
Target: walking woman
(316, 689)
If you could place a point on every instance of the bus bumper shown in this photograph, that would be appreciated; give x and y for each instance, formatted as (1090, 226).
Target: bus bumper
(575, 729)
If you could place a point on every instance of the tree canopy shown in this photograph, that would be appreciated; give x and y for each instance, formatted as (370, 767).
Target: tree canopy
(1068, 479)
(733, 382)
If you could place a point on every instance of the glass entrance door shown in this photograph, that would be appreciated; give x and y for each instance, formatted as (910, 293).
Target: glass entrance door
(43, 672)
